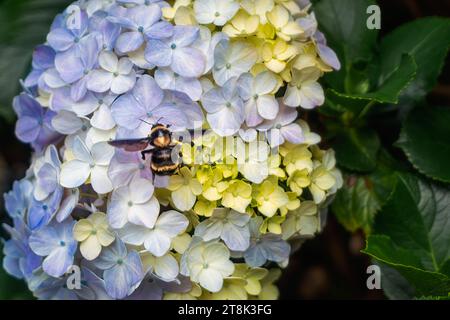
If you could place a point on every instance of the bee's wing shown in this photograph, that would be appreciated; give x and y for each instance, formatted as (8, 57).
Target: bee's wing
(131, 145)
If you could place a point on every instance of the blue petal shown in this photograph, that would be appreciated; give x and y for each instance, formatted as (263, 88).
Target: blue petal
(117, 282)
(129, 41)
(60, 39)
(58, 262)
(43, 57)
(158, 53)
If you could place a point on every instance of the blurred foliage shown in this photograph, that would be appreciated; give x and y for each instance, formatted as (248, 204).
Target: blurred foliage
(400, 200)
(23, 25)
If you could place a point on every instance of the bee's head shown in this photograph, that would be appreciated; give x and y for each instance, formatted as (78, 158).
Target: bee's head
(160, 125)
(161, 136)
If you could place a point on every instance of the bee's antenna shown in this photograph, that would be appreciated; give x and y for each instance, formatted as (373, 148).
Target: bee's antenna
(146, 122)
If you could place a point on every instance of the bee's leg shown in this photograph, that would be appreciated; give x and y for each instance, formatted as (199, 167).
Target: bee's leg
(144, 154)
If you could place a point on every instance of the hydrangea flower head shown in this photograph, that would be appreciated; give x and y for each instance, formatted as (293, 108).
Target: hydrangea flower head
(251, 180)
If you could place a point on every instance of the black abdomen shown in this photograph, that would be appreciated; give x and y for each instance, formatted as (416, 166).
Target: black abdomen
(162, 156)
(162, 163)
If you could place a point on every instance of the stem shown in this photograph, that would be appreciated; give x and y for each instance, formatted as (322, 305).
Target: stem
(366, 109)
(88, 195)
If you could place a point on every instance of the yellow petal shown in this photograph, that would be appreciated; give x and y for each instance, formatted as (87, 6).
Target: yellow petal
(325, 181)
(105, 237)
(181, 242)
(278, 17)
(317, 193)
(253, 287)
(205, 208)
(98, 219)
(275, 65)
(90, 248)
(196, 187)
(82, 230)
(183, 198)
(175, 182)
(292, 29)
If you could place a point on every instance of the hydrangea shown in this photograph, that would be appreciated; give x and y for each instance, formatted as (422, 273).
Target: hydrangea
(93, 233)
(55, 242)
(228, 225)
(252, 181)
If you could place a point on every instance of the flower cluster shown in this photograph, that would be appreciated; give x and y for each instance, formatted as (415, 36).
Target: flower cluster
(254, 182)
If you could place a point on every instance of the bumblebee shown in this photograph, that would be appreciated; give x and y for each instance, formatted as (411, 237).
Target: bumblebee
(162, 152)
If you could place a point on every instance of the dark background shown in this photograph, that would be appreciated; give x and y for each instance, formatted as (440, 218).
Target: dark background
(328, 267)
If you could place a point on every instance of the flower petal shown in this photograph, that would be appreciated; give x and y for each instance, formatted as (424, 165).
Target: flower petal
(129, 41)
(188, 62)
(100, 180)
(145, 214)
(74, 173)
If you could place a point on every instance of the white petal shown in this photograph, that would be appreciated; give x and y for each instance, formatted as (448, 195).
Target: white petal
(125, 66)
(100, 180)
(102, 153)
(293, 133)
(252, 117)
(118, 208)
(141, 190)
(312, 96)
(245, 83)
(226, 122)
(74, 173)
(211, 280)
(172, 223)
(157, 243)
(81, 152)
(292, 97)
(67, 122)
(188, 62)
(108, 61)
(102, 118)
(204, 11)
(133, 234)
(267, 107)
(123, 84)
(236, 238)
(100, 81)
(209, 229)
(145, 214)
(166, 267)
(265, 83)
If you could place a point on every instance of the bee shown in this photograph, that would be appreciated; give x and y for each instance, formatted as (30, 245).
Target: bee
(162, 152)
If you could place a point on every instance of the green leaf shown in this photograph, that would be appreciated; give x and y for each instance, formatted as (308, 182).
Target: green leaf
(442, 298)
(357, 149)
(360, 199)
(344, 23)
(427, 40)
(412, 234)
(390, 89)
(24, 25)
(425, 139)
(426, 283)
(394, 285)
